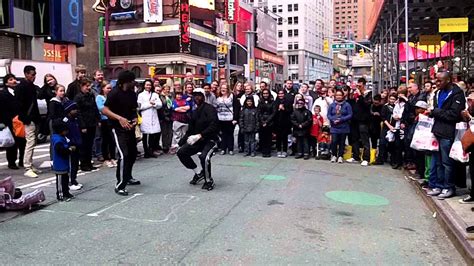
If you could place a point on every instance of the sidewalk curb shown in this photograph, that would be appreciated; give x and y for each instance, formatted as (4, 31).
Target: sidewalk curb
(451, 223)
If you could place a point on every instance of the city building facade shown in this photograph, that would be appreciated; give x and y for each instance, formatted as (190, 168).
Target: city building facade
(302, 28)
(351, 18)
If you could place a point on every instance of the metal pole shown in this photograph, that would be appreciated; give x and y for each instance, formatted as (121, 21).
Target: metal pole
(382, 61)
(397, 47)
(107, 52)
(406, 42)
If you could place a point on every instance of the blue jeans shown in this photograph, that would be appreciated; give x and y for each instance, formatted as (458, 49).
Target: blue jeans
(338, 142)
(441, 174)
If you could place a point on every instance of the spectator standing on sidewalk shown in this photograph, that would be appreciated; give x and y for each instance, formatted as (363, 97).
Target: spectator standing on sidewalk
(74, 136)
(108, 142)
(96, 87)
(282, 122)
(302, 120)
(89, 118)
(26, 93)
(164, 115)
(148, 104)
(448, 105)
(228, 112)
(121, 108)
(61, 154)
(339, 114)
(8, 110)
(75, 87)
(266, 110)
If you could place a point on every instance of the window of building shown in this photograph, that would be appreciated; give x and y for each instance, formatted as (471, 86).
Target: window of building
(290, 46)
(295, 7)
(280, 21)
(295, 20)
(290, 8)
(295, 32)
(294, 76)
(296, 46)
(293, 59)
(290, 21)
(280, 34)
(274, 9)
(280, 8)
(290, 33)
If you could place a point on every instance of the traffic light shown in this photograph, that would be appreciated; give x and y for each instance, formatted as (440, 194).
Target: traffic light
(361, 53)
(326, 46)
(222, 49)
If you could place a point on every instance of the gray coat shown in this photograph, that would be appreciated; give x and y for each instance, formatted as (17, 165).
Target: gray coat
(249, 120)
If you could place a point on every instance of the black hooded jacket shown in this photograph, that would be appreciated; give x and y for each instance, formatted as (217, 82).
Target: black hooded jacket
(203, 121)
(449, 114)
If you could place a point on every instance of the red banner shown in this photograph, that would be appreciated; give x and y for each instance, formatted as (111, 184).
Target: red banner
(424, 52)
(184, 26)
(268, 57)
(232, 8)
(243, 25)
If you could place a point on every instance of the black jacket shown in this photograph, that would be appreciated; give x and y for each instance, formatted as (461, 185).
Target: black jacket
(73, 89)
(266, 108)
(26, 93)
(304, 118)
(203, 121)
(89, 114)
(449, 114)
(249, 120)
(8, 108)
(282, 121)
(408, 116)
(47, 93)
(361, 108)
(55, 110)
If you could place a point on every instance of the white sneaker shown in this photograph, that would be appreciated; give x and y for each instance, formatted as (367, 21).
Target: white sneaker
(284, 155)
(279, 154)
(109, 164)
(37, 171)
(340, 160)
(351, 160)
(333, 159)
(364, 163)
(75, 187)
(31, 173)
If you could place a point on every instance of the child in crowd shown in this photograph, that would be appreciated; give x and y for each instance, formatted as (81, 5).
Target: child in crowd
(61, 152)
(315, 129)
(74, 136)
(249, 124)
(302, 120)
(324, 140)
(180, 119)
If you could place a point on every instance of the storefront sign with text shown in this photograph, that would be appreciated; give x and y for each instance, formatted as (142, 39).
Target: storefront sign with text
(184, 24)
(232, 11)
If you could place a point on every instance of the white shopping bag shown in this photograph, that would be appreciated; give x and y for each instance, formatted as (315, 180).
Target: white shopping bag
(6, 138)
(423, 139)
(457, 153)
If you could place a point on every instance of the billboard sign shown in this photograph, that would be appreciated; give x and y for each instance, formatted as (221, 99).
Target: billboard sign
(266, 32)
(232, 11)
(184, 26)
(447, 25)
(6, 14)
(41, 18)
(153, 11)
(67, 21)
(243, 25)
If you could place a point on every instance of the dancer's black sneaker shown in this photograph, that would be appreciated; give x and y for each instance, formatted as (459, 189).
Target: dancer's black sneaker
(197, 178)
(209, 185)
(121, 192)
(133, 182)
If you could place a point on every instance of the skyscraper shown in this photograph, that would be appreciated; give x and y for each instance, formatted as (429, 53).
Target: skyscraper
(350, 18)
(302, 27)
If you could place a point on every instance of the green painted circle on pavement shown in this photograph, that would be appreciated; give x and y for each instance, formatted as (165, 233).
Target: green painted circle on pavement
(250, 164)
(273, 177)
(357, 198)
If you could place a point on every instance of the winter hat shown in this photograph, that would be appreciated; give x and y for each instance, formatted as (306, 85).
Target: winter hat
(69, 105)
(421, 104)
(199, 90)
(125, 77)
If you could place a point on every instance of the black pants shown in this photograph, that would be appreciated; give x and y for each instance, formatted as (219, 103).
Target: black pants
(74, 167)
(281, 142)
(410, 154)
(383, 147)
(361, 139)
(398, 148)
(265, 139)
(166, 134)
(127, 150)
(241, 140)
(108, 143)
(302, 144)
(471, 172)
(86, 148)
(313, 145)
(150, 143)
(338, 143)
(227, 135)
(206, 148)
(249, 142)
(12, 152)
(62, 186)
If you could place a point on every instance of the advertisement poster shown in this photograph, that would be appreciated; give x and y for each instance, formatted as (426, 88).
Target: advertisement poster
(184, 26)
(153, 11)
(266, 32)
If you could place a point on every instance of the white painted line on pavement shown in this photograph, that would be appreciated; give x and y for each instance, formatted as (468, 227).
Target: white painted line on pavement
(95, 214)
(38, 146)
(37, 182)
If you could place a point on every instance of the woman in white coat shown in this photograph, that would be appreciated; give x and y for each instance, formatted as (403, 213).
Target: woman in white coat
(148, 104)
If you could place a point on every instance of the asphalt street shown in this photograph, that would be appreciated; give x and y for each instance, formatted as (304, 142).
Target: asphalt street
(262, 211)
